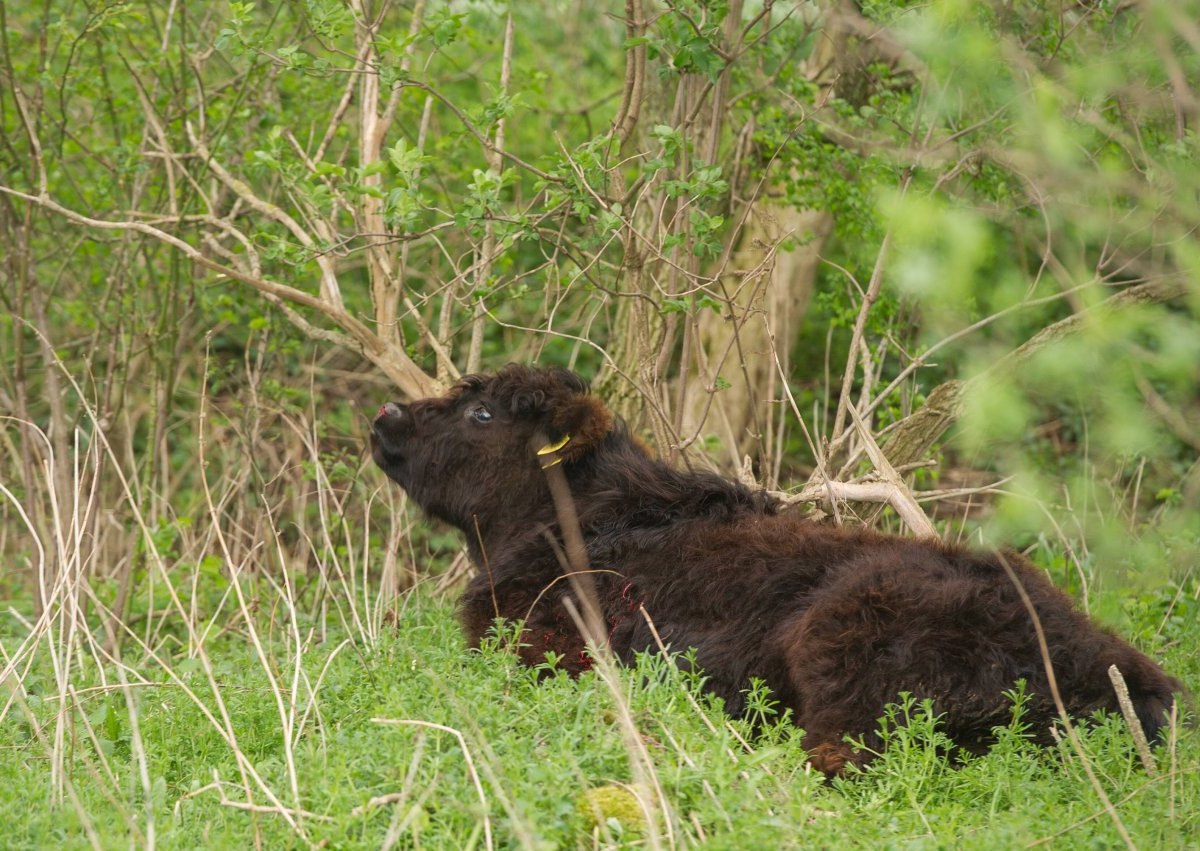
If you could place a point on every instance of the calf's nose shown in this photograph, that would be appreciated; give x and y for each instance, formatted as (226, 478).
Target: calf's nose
(389, 409)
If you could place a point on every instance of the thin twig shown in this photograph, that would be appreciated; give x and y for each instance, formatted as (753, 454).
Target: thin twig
(860, 322)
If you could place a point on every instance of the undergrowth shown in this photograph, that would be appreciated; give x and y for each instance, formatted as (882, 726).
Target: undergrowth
(413, 742)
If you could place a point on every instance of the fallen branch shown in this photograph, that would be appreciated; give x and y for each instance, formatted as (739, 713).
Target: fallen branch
(896, 495)
(902, 499)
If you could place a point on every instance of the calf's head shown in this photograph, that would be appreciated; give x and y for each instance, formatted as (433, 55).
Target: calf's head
(476, 454)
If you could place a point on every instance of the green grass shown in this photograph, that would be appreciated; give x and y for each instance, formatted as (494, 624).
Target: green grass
(534, 748)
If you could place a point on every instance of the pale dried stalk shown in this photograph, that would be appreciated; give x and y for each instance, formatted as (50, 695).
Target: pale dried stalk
(1131, 720)
(589, 621)
(139, 752)
(224, 726)
(287, 719)
(640, 761)
(860, 323)
(218, 785)
(1171, 749)
(88, 828)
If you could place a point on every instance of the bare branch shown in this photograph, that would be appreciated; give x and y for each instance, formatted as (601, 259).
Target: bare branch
(409, 378)
(887, 493)
(330, 290)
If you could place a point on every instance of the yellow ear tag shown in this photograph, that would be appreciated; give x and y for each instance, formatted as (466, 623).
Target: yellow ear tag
(554, 447)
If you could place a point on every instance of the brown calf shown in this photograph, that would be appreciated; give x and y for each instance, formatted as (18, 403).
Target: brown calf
(837, 621)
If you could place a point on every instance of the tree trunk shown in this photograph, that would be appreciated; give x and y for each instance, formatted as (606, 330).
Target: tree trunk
(769, 295)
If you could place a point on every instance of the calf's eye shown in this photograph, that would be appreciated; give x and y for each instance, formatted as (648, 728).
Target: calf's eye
(481, 414)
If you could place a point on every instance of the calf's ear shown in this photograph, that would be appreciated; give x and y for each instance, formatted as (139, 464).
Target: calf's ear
(577, 423)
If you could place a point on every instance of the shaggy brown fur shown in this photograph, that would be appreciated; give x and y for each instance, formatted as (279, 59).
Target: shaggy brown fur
(837, 621)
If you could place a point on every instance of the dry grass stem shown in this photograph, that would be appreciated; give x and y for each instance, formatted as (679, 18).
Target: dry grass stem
(1131, 721)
